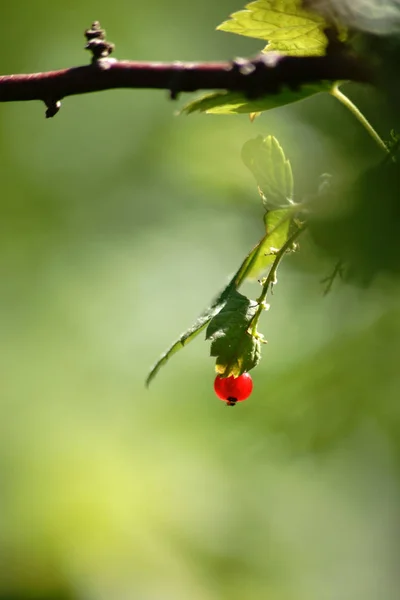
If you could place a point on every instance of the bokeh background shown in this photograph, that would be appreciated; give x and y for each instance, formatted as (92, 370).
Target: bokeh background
(119, 222)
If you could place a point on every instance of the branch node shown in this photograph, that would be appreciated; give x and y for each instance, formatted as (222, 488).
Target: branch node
(254, 73)
(97, 43)
(257, 71)
(335, 45)
(175, 83)
(53, 106)
(243, 66)
(104, 63)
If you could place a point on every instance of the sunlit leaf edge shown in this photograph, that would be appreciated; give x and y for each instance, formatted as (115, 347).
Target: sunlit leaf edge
(231, 103)
(286, 25)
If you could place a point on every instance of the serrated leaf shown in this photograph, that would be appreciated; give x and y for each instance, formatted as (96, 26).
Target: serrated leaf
(197, 327)
(235, 349)
(182, 341)
(266, 160)
(285, 24)
(231, 103)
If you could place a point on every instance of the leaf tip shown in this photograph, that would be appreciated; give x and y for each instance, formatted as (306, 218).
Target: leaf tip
(151, 375)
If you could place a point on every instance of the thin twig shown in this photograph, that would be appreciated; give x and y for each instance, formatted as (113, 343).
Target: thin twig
(271, 277)
(337, 272)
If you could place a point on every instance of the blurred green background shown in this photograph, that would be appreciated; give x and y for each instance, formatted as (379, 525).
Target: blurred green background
(119, 222)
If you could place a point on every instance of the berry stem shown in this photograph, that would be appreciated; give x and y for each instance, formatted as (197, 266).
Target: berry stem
(271, 277)
(250, 259)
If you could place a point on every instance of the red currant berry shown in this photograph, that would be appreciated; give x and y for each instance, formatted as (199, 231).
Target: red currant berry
(233, 389)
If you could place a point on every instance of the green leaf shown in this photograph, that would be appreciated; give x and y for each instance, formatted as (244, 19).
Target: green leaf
(285, 24)
(230, 103)
(273, 174)
(266, 160)
(182, 341)
(277, 225)
(197, 327)
(235, 348)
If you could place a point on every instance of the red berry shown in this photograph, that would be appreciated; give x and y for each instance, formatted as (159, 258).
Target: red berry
(233, 389)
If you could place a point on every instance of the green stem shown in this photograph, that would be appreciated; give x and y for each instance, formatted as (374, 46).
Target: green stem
(271, 277)
(336, 93)
(251, 258)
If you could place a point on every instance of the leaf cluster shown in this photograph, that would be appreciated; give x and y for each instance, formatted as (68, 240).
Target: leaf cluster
(231, 319)
(289, 29)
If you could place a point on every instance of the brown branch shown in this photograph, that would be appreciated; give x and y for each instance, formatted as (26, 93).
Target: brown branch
(266, 74)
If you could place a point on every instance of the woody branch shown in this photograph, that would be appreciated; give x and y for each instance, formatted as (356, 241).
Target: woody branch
(266, 74)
